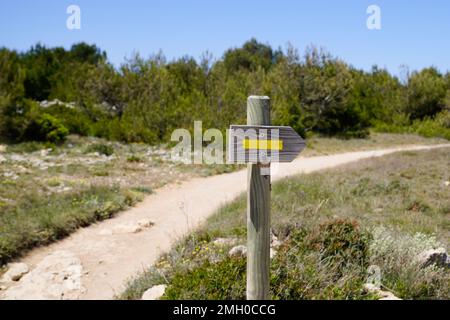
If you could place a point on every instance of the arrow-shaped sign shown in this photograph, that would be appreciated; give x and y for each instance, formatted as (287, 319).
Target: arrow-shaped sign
(263, 144)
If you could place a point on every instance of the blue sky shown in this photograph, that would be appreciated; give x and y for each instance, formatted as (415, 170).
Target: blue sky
(415, 33)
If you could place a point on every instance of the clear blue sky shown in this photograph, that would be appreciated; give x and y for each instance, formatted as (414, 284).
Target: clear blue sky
(414, 32)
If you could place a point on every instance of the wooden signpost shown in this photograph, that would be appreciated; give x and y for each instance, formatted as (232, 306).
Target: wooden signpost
(259, 144)
(264, 144)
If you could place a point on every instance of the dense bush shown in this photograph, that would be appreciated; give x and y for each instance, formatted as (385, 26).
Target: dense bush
(426, 94)
(428, 127)
(24, 121)
(13, 120)
(46, 128)
(309, 265)
(74, 119)
(146, 99)
(328, 262)
(341, 241)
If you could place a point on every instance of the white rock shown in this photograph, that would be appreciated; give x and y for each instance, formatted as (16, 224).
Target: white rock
(383, 295)
(2, 148)
(46, 104)
(2, 159)
(21, 169)
(11, 175)
(370, 287)
(238, 251)
(388, 296)
(57, 276)
(436, 257)
(223, 242)
(17, 157)
(44, 152)
(154, 293)
(145, 223)
(447, 183)
(15, 272)
(127, 228)
(274, 242)
(130, 227)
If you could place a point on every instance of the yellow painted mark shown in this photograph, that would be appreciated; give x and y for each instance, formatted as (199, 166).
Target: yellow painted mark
(249, 144)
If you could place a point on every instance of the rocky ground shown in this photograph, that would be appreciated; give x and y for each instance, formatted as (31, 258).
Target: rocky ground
(78, 163)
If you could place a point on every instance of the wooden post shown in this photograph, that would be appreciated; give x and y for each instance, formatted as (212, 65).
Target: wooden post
(258, 210)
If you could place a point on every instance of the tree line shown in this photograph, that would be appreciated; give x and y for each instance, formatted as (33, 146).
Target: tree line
(144, 100)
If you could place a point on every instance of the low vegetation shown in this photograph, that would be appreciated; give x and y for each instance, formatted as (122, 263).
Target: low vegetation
(39, 180)
(437, 127)
(335, 227)
(48, 191)
(36, 220)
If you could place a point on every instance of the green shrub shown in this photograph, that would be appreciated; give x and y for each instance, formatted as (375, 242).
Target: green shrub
(76, 121)
(443, 119)
(28, 147)
(24, 121)
(100, 173)
(15, 118)
(222, 281)
(328, 262)
(355, 134)
(439, 126)
(142, 189)
(426, 93)
(46, 128)
(340, 240)
(101, 148)
(134, 158)
(298, 273)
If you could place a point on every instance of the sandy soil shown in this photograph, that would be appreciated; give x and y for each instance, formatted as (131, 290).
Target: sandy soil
(95, 262)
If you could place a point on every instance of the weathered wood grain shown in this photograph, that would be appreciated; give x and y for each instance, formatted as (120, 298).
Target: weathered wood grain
(291, 144)
(258, 211)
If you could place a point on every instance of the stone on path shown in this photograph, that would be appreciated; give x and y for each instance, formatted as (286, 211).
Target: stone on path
(154, 293)
(14, 272)
(130, 227)
(56, 277)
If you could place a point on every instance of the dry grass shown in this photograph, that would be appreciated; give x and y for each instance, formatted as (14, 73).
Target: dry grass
(317, 145)
(400, 201)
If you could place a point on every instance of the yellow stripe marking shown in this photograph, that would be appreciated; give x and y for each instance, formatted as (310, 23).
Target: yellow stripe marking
(249, 144)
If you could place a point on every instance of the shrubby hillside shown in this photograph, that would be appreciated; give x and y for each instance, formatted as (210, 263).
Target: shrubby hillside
(48, 93)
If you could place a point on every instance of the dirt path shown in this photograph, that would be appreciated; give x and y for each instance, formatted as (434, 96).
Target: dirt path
(95, 262)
